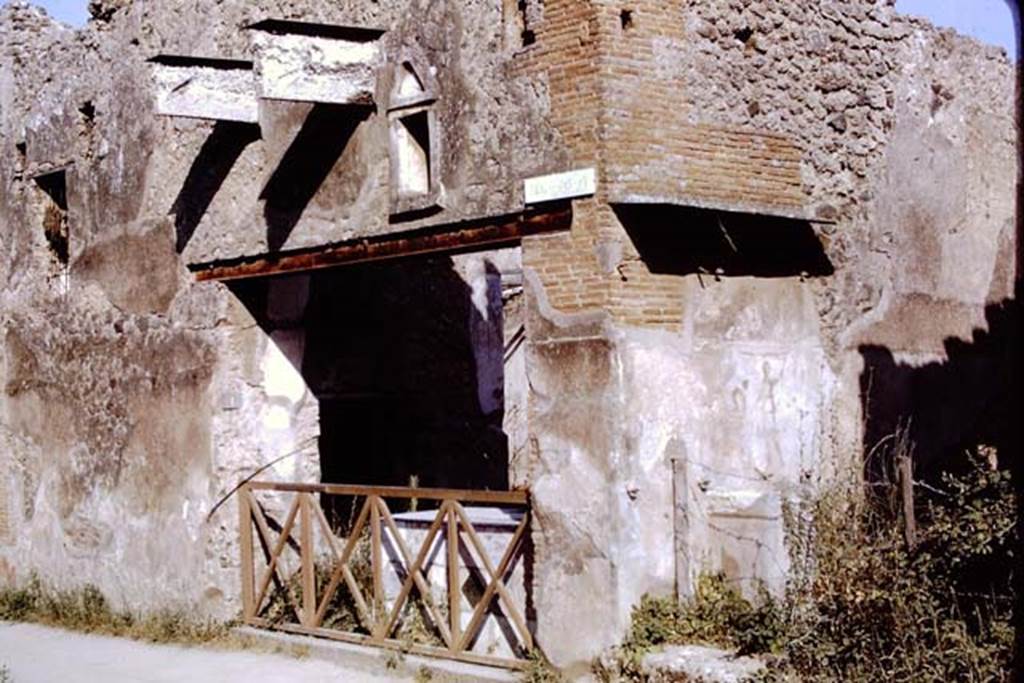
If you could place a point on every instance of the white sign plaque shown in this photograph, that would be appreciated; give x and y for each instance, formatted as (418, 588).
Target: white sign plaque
(549, 188)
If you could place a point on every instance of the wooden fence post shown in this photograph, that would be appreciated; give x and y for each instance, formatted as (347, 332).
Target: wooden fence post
(306, 554)
(245, 544)
(376, 568)
(907, 486)
(454, 604)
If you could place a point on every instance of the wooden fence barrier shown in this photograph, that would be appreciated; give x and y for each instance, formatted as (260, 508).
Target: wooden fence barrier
(303, 601)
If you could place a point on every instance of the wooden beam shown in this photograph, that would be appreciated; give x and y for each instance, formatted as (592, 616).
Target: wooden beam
(414, 575)
(400, 646)
(342, 571)
(484, 604)
(468, 235)
(511, 611)
(484, 497)
(376, 567)
(273, 568)
(906, 469)
(454, 589)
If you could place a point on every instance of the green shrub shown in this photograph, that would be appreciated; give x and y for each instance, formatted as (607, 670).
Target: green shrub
(716, 615)
(864, 606)
(861, 605)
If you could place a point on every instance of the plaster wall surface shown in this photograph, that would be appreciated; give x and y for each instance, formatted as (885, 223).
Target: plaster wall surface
(134, 398)
(744, 363)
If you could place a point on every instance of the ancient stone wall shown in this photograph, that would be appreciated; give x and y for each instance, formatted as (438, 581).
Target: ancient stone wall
(310, 193)
(803, 234)
(758, 357)
(135, 398)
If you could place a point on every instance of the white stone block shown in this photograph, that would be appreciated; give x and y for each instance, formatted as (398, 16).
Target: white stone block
(303, 62)
(194, 87)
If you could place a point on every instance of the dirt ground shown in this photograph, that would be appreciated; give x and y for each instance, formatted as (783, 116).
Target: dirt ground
(36, 654)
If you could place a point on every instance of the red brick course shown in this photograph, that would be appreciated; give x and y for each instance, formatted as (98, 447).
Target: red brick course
(616, 98)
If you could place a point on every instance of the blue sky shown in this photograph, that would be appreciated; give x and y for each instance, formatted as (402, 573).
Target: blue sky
(991, 21)
(988, 20)
(71, 11)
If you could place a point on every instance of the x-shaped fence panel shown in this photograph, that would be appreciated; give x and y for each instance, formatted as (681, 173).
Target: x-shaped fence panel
(395, 576)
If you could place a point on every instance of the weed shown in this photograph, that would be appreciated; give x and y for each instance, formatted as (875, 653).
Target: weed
(865, 606)
(341, 613)
(414, 625)
(716, 615)
(862, 605)
(86, 609)
(393, 660)
(540, 670)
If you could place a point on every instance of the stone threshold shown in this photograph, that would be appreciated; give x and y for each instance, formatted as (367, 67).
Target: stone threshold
(376, 661)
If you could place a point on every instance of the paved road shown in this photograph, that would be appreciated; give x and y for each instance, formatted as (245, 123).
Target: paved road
(36, 654)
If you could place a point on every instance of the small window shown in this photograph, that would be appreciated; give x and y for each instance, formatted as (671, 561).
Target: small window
(520, 18)
(55, 213)
(412, 153)
(414, 144)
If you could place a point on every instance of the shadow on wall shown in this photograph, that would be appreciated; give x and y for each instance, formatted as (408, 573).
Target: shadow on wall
(947, 407)
(676, 240)
(970, 399)
(389, 354)
(306, 164)
(1016, 377)
(319, 144)
(208, 172)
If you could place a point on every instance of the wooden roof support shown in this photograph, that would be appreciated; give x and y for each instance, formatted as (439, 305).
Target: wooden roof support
(466, 236)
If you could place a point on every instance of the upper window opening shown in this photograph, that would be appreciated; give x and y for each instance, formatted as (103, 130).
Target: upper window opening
(412, 150)
(414, 143)
(521, 18)
(412, 87)
(88, 111)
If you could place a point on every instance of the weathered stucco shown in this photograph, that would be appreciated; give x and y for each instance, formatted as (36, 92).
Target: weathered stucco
(803, 233)
(737, 373)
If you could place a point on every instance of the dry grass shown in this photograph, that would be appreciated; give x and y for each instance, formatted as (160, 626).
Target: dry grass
(861, 604)
(864, 606)
(87, 610)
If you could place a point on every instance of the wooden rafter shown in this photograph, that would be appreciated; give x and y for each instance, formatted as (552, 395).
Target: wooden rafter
(469, 235)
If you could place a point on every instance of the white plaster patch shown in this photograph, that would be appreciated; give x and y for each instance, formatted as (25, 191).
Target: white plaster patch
(475, 276)
(409, 84)
(277, 418)
(281, 378)
(411, 144)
